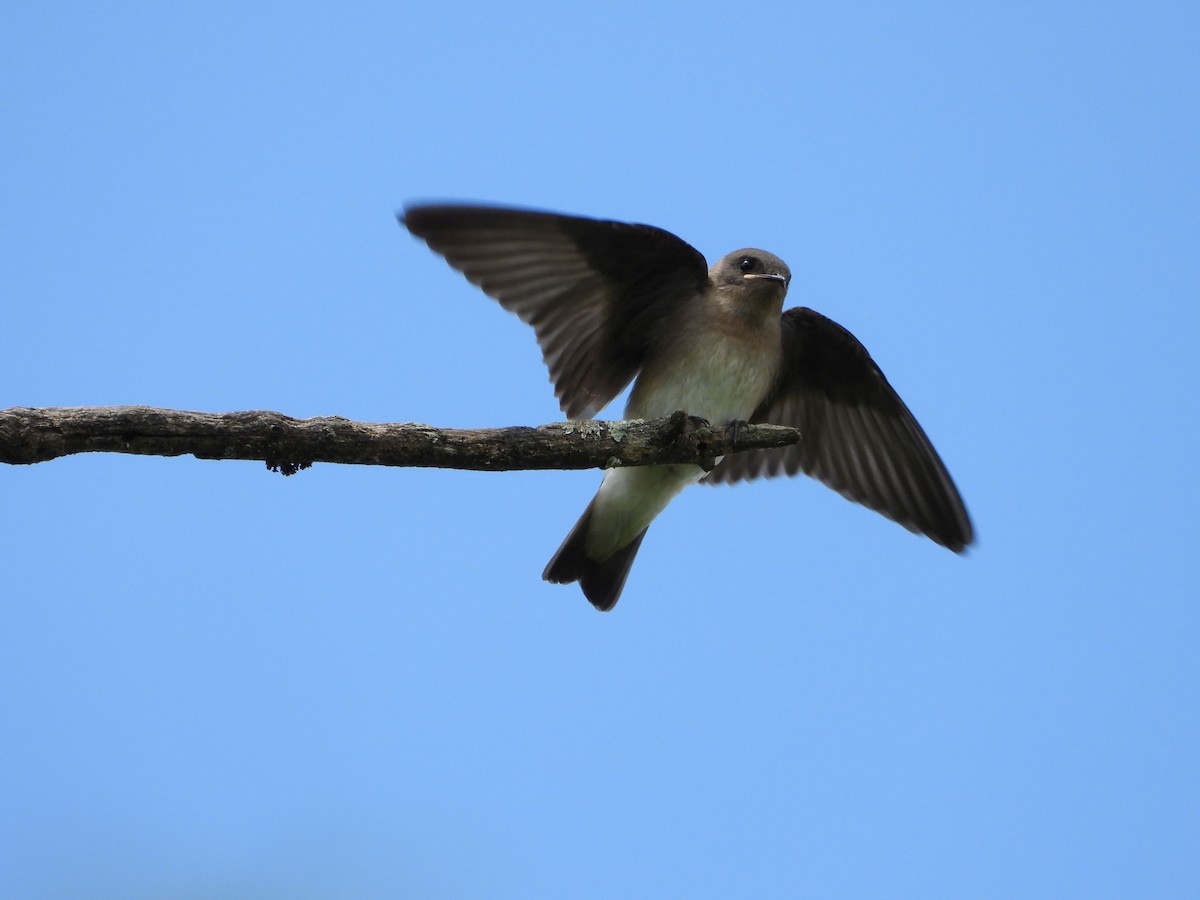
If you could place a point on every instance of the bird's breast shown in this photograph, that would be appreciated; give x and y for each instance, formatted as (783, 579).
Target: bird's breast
(720, 372)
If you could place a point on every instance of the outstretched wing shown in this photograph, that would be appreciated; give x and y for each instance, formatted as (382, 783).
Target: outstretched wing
(595, 292)
(856, 434)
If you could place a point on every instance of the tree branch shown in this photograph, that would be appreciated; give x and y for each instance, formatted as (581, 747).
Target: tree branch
(288, 445)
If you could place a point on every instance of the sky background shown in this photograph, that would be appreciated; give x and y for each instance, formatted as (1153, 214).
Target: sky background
(215, 681)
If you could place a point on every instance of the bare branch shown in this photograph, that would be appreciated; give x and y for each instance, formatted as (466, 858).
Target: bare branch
(289, 445)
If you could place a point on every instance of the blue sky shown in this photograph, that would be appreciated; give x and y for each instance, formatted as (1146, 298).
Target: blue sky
(352, 682)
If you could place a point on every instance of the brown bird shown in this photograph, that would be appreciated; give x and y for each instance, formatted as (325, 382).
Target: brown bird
(609, 301)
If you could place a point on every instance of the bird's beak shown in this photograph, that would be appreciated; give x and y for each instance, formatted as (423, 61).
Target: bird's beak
(767, 276)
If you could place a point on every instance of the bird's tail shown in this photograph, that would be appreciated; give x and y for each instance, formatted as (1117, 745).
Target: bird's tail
(601, 580)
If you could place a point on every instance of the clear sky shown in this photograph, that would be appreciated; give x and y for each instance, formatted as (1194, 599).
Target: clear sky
(215, 681)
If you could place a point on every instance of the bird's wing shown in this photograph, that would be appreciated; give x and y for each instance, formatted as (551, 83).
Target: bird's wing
(596, 293)
(856, 434)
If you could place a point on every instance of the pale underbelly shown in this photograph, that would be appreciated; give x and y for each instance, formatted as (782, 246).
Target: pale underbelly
(720, 388)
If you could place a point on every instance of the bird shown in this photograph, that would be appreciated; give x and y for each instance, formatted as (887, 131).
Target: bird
(613, 302)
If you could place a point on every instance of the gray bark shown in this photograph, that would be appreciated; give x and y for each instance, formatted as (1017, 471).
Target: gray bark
(288, 445)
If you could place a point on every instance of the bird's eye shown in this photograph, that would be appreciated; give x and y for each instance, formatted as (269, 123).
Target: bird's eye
(746, 263)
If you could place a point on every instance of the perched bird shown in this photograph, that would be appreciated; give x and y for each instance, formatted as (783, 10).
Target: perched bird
(610, 301)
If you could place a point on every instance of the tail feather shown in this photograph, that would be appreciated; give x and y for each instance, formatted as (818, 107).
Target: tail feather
(601, 580)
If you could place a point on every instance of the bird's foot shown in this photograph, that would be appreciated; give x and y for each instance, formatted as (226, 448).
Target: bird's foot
(736, 425)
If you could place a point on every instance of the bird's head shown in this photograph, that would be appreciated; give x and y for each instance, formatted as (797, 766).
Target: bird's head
(752, 278)
(752, 270)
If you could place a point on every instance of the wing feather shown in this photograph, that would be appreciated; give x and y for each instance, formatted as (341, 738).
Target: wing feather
(595, 292)
(857, 436)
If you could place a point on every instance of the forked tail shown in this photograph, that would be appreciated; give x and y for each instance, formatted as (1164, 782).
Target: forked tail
(601, 580)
